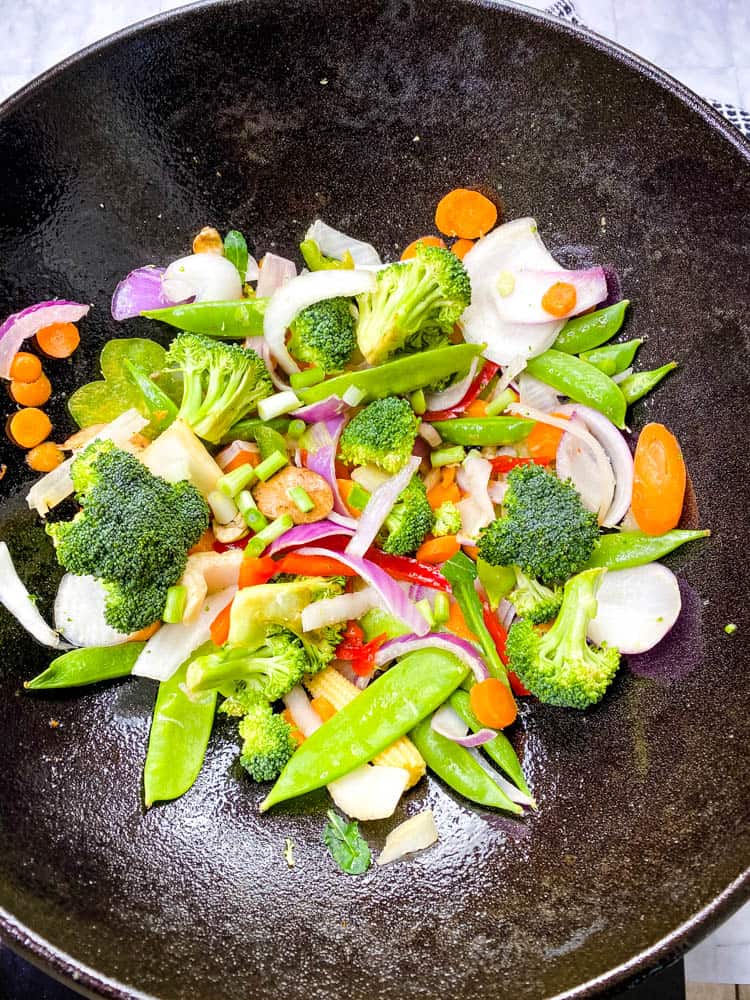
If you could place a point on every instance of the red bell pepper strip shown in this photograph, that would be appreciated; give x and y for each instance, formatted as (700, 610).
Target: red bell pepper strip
(254, 571)
(220, 626)
(301, 565)
(364, 664)
(411, 570)
(488, 372)
(351, 643)
(504, 463)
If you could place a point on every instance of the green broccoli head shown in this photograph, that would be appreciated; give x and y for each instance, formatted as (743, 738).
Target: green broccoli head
(414, 306)
(381, 434)
(267, 742)
(409, 521)
(221, 383)
(447, 520)
(559, 666)
(323, 335)
(320, 646)
(133, 532)
(546, 529)
(532, 600)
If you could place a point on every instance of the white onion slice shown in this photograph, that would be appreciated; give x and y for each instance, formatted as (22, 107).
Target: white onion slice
(370, 792)
(524, 303)
(533, 392)
(635, 608)
(379, 507)
(496, 492)
(79, 613)
(301, 292)
(336, 244)
(514, 368)
(275, 273)
(477, 509)
(428, 433)
(447, 722)
(17, 600)
(304, 716)
(414, 834)
(344, 607)
(253, 271)
(454, 393)
(576, 461)
(209, 277)
(168, 648)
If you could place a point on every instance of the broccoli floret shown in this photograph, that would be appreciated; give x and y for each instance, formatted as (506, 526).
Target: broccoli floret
(221, 383)
(546, 529)
(414, 306)
(532, 600)
(447, 520)
(323, 335)
(559, 666)
(320, 646)
(410, 519)
(267, 742)
(133, 532)
(382, 434)
(280, 603)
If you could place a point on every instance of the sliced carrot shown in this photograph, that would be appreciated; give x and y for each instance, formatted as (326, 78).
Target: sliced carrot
(323, 707)
(560, 298)
(45, 457)
(295, 734)
(58, 340)
(429, 241)
(457, 624)
(544, 440)
(493, 703)
(465, 213)
(254, 571)
(205, 543)
(444, 491)
(220, 626)
(29, 427)
(243, 458)
(476, 408)
(660, 478)
(25, 367)
(345, 488)
(143, 634)
(438, 550)
(461, 247)
(471, 551)
(31, 393)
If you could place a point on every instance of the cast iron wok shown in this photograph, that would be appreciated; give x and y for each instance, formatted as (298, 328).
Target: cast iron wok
(261, 117)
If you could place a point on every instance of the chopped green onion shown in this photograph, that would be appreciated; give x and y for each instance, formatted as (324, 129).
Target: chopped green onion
(296, 429)
(418, 402)
(358, 497)
(447, 456)
(223, 507)
(426, 610)
(306, 378)
(278, 404)
(730, 629)
(249, 510)
(353, 396)
(301, 499)
(232, 483)
(501, 403)
(441, 610)
(258, 543)
(174, 606)
(270, 466)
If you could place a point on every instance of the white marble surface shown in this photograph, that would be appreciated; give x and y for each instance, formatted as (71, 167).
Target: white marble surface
(704, 43)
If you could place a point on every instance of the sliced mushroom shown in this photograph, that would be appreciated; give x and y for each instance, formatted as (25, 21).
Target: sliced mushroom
(208, 240)
(206, 573)
(231, 532)
(273, 498)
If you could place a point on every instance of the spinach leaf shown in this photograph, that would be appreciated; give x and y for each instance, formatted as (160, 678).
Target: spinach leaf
(235, 249)
(347, 845)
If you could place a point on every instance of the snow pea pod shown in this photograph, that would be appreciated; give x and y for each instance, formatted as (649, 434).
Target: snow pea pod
(269, 441)
(180, 731)
(384, 711)
(635, 548)
(638, 384)
(500, 749)
(161, 410)
(459, 769)
(231, 320)
(246, 430)
(581, 381)
(614, 358)
(583, 333)
(481, 431)
(87, 666)
(397, 378)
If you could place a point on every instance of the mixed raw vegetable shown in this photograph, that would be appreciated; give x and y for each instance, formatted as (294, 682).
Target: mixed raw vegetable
(360, 507)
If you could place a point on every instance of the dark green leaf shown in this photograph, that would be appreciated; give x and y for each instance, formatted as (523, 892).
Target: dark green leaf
(347, 845)
(235, 249)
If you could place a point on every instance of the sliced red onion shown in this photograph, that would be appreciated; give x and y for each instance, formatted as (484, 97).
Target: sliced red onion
(24, 324)
(577, 462)
(342, 608)
(635, 608)
(208, 277)
(533, 392)
(447, 722)
(17, 600)
(343, 520)
(348, 671)
(477, 509)
(326, 409)
(430, 435)
(394, 599)
(421, 449)
(336, 244)
(259, 345)
(449, 397)
(274, 274)
(304, 534)
(616, 449)
(379, 507)
(505, 614)
(466, 651)
(323, 459)
(140, 291)
(304, 716)
(524, 303)
(302, 291)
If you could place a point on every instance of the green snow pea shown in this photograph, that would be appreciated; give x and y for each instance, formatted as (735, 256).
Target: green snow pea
(461, 573)
(161, 410)
(235, 250)
(459, 770)
(87, 666)
(586, 332)
(231, 320)
(180, 731)
(397, 378)
(639, 383)
(481, 431)
(624, 549)
(614, 358)
(246, 430)
(384, 711)
(581, 381)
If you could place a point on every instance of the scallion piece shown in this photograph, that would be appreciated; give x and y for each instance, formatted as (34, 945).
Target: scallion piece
(425, 608)
(301, 499)
(222, 507)
(258, 543)
(249, 510)
(358, 497)
(174, 606)
(296, 429)
(306, 378)
(418, 402)
(270, 466)
(447, 456)
(353, 396)
(278, 404)
(441, 609)
(232, 483)
(501, 403)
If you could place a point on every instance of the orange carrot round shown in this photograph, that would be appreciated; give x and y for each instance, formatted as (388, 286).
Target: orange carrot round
(560, 298)
(25, 367)
(31, 393)
(543, 440)
(429, 241)
(493, 703)
(438, 550)
(29, 427)
(461, 247)
(659, 480)
(144, 634)
(45, 457)
(465, 213)
(58, 340)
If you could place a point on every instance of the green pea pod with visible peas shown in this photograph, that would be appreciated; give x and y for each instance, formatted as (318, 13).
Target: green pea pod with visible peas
(581, 381)
(500, 749)
(459, 770)
(397, 378)
(247, 430)
(384, 711)
(161, 410)
(269, 441)
(484, 431)
(87, 666)
(180, 731)
(625, 549)
(636, 386)
(231, 320)
(583, 333)
(235, 249)
(614, 358)
(461, 573)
